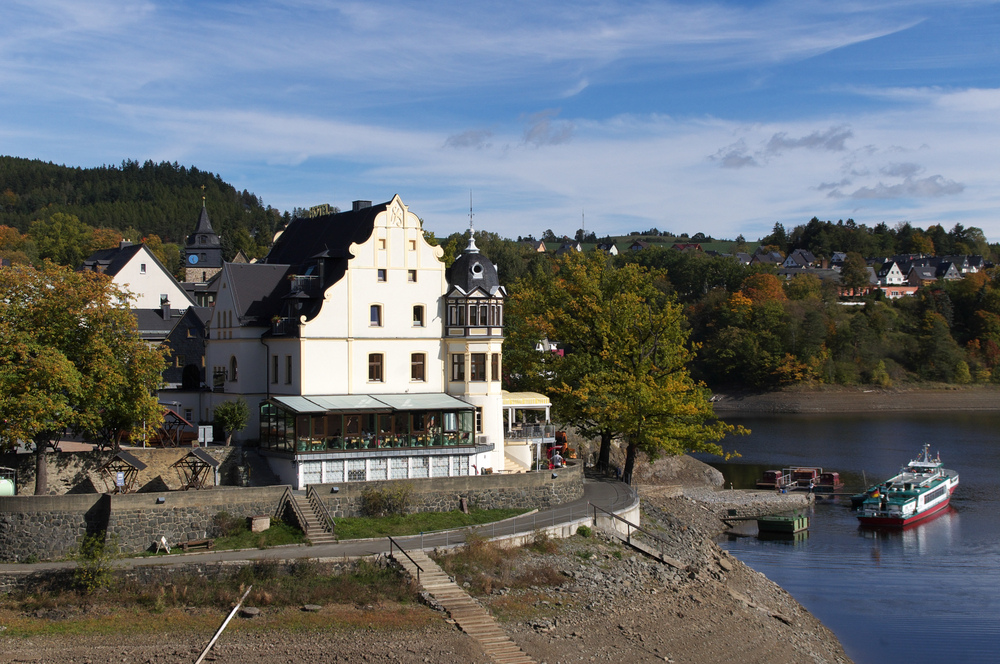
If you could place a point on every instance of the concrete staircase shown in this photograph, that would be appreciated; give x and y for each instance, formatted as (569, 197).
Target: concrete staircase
(513, 464)
(471, 618)
(316, 532)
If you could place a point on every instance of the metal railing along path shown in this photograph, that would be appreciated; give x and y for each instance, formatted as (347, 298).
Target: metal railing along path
(392, 543)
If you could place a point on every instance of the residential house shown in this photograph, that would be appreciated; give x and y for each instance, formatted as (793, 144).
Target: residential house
(569, 247)
(183, 332)
(767, 258)
(799, 259)
(890, 274)
(135, 268)
(921, 275)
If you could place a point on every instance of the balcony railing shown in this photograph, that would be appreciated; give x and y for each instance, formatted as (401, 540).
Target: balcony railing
(528, 432)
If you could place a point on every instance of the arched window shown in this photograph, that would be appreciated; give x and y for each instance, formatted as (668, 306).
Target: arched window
(233, 369)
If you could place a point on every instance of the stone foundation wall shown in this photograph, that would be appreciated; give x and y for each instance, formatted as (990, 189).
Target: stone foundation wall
(442, 494)
(47, 527)
(139, 521)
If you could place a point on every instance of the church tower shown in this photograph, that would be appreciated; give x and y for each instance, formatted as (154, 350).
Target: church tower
(203, 250)
(473, 338)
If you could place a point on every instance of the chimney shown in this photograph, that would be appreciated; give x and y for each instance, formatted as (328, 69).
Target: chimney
(165, 308)
(124, 243)
(360, 205)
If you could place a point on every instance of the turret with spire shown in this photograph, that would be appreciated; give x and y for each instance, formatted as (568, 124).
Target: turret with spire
(203, 250)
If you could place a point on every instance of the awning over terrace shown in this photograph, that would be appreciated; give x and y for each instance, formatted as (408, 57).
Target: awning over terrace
(521, 401)
(381, 403)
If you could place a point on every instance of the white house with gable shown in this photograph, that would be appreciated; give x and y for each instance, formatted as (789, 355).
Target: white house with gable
(136, 269)
(361, 356)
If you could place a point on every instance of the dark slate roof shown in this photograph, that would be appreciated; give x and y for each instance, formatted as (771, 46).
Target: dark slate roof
(258, 289)
(304, 238)
(472, 270)
(111, 261)
(924, 272)
(152, 325)
(204, 227)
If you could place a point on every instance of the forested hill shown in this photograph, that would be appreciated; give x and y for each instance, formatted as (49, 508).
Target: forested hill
(161, 199)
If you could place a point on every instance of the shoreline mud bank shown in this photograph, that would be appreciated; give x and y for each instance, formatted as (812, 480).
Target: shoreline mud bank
(972, 399)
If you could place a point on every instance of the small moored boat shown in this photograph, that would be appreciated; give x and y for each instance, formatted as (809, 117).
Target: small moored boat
(921, 489)
(800, 478)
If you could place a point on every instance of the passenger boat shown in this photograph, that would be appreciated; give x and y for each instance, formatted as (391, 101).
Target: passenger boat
(921, 489)
(800, 478)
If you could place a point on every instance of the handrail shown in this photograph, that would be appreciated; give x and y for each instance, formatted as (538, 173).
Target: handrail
(628, 532)
(314, 500)
(295, 508)
(400, 547)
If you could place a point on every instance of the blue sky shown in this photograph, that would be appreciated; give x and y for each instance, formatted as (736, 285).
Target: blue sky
(719, 117)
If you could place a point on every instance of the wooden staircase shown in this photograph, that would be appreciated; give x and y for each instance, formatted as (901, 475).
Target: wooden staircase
(313, 524)
(468, 614)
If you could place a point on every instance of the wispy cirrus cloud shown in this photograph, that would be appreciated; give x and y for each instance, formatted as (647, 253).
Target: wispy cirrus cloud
(929, 187)
(473, 138)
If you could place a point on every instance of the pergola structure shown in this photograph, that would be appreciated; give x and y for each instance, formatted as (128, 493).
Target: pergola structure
(121, 473)
(169, 433)
(194, 467)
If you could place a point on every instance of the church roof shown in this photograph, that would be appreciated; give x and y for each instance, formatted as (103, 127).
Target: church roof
(204, 228)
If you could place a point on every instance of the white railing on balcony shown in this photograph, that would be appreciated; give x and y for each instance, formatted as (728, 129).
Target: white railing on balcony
(528, 432)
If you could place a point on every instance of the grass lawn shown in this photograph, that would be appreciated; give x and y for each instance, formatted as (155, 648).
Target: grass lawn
(413, 524)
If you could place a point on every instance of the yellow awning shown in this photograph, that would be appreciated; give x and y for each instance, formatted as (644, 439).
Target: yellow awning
(525, 400)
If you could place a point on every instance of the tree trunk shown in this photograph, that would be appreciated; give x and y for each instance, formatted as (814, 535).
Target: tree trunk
(41, 465)
(229, 438)
(630, 455)
(604, 456)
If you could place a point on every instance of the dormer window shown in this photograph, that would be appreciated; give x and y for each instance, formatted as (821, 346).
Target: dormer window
(477, 270)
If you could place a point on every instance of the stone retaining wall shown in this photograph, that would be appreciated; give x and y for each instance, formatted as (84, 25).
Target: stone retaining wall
(50, 527)
(139, 521)
(443, 494)
(44, 527)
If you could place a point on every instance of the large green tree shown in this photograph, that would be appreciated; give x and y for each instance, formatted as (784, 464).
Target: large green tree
(70, 359)
(624, 373)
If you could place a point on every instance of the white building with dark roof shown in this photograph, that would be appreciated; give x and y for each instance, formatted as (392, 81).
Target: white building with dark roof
(360, 355)
(135, 268)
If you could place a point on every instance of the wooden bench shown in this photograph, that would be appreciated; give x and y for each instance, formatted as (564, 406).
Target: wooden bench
(194, 544)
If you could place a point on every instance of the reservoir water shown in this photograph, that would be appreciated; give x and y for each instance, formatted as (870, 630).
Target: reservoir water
(927, 594)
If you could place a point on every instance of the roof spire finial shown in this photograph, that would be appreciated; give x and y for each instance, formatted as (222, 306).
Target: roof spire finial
(472, 248)
(203, 195)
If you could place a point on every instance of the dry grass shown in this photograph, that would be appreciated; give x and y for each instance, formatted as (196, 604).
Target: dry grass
(486, 565)
(388, 616)
(274, 585)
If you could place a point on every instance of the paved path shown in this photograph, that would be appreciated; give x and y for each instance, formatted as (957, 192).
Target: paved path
(607, 494)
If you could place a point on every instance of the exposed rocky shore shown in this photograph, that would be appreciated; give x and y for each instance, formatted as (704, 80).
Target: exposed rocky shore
(861, 400)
